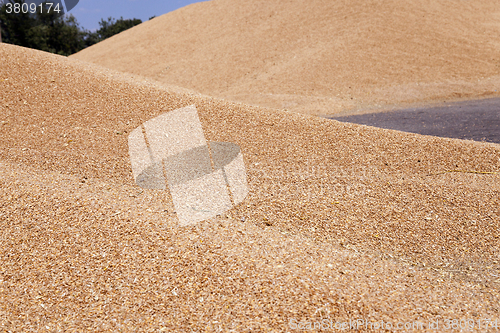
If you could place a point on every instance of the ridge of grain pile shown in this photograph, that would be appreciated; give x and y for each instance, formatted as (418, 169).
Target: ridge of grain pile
(342, 221)
(317, 56)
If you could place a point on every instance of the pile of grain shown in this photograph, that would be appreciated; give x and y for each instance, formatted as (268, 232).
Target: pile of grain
(342, 221)
(317, 56)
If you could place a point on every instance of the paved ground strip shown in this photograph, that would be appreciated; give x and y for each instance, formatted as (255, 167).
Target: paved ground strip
(471, 120)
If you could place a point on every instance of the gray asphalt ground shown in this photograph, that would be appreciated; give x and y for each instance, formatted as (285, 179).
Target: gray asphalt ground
(470, 120)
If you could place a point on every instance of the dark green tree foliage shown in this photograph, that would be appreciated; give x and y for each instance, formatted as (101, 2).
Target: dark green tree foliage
(112, 27)
(62, 35)
(15, 29)
(109, 28)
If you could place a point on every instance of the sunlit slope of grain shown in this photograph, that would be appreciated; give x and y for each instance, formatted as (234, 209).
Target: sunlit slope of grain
(358, 221)
(317, 56)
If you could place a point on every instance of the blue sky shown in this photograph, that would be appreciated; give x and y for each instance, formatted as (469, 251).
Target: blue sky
(88, 13)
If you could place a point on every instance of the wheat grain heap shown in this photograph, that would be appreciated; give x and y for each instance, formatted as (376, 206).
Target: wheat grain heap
(318, 56)
(342, 221)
